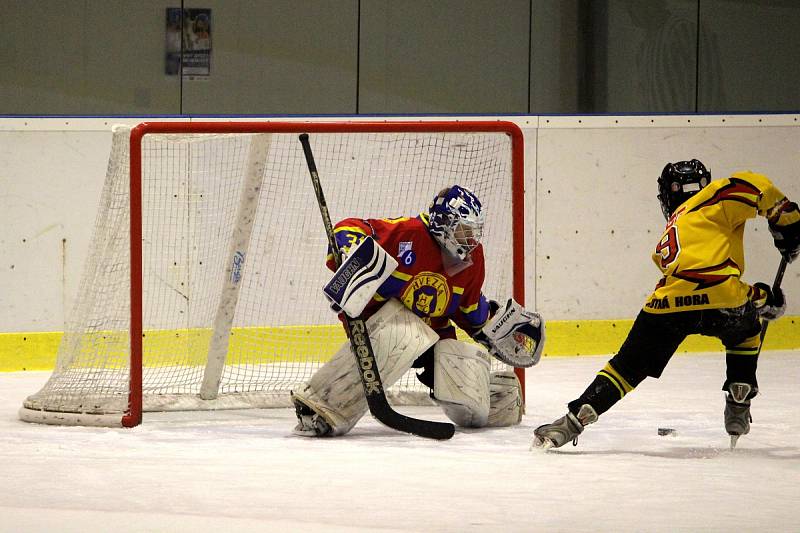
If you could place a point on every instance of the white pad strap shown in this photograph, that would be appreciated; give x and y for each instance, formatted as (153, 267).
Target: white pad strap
(461, 382)
(335, 391)
(354, 283)
(514, 335)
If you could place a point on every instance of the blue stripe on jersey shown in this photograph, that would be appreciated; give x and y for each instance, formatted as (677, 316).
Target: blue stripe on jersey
(391, 287)
(478, 314)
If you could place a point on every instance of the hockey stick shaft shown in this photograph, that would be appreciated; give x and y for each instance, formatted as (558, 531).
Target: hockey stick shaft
(776, 285)
(779, 275)
(360, 343)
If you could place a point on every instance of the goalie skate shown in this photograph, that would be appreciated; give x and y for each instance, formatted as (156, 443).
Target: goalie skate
(309, 422)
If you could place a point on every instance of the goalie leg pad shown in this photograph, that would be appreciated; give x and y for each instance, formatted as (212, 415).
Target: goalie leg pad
(505, 399)
(335, 391)
(461, 382)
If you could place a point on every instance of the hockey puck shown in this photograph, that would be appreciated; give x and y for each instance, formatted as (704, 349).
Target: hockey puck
(667, 431)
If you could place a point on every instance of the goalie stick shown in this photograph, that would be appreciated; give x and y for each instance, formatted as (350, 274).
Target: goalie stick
(360, 344)
(776, 285)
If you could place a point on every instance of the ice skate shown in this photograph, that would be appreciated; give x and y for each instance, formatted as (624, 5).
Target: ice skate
(737, 411)
(565, 429)
(309, 423)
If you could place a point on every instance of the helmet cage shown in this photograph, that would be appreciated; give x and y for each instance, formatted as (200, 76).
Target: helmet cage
(456, 221)
(679, 182)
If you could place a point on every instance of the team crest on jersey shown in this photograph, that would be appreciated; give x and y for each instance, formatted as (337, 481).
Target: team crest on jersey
(427, 294)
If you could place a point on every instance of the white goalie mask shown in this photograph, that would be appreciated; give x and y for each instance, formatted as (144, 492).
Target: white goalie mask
(456, 221)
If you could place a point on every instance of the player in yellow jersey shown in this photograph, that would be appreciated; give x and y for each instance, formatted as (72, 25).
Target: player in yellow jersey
(701, 257)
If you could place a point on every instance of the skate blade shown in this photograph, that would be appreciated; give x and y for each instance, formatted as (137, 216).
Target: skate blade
(734, 440)
(541, 443)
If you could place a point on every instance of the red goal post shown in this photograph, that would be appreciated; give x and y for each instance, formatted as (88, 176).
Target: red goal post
(434, 152)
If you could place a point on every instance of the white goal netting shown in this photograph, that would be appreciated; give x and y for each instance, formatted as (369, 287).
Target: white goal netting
(233, 252)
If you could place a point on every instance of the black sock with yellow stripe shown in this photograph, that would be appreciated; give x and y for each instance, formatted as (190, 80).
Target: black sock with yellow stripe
(608, 387)
(741, 362)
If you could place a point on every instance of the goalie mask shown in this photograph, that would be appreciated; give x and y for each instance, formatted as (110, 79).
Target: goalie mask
(679, 182)
(456, 221)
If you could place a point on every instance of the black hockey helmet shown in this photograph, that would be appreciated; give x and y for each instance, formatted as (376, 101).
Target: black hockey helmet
(678, 182)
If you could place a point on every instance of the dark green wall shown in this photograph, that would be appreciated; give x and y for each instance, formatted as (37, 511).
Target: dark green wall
(105, 57)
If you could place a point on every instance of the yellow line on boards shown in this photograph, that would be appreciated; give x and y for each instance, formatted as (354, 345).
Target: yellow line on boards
(37, 350)
(28, 351)
(600, 337)
(253, 345)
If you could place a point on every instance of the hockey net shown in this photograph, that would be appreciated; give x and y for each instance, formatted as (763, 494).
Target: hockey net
(202, 286)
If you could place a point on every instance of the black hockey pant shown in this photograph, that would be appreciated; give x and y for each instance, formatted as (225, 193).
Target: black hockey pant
(653, 340)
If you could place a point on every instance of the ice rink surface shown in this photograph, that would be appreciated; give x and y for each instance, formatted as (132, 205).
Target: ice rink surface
(244, 471)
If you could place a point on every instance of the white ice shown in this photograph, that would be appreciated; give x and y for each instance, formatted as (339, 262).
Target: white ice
(243, 470)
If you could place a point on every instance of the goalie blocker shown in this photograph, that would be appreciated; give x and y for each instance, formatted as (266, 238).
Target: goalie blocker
(364, 269)
(514, 335)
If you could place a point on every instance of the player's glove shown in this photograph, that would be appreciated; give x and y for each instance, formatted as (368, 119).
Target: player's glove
(770, 304)
(787, 236)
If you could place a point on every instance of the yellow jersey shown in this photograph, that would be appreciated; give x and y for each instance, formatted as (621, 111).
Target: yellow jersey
(701, 252)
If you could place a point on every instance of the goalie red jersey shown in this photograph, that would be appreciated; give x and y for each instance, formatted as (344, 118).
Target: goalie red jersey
(421, 282)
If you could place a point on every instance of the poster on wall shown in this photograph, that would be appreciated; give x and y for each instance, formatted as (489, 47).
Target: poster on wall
(188, 43)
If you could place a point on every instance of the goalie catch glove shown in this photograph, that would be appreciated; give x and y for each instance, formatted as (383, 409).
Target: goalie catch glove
(770, 305)
(365, 268)
(514, 335)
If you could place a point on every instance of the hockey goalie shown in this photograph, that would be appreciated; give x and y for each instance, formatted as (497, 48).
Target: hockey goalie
(414, 280)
